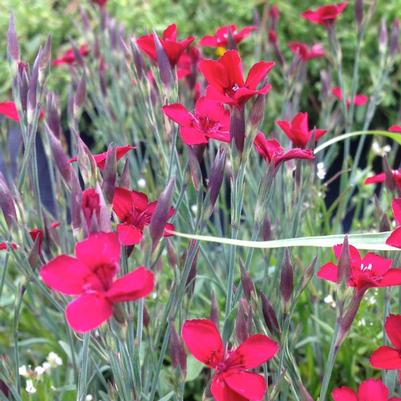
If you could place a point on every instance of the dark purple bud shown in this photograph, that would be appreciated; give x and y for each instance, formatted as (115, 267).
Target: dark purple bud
(237, 127)
(118, 313)
(247, 284)
(344, 263)
(214, 310)
(4, 389)
(77, 56)
(171, 254)
(177, 351)
(80, 94)
(358, 12)
(53, 116)
(194, 168)
(243, 321)
(308, 273)
(12, 41)
(59, 156)
(139, 63)
(165, 70)
(7, 202)
(162, 213)
(34, 254)
(287, 278)
(113, 34)
(231, 45)
(266, 229)
(33, 87)
(23, 84)
(46, 55)
(269, 315)
(389, 176)
(216, 175)
(146, 317)
(190, 284)
(76, 202)
(257, 111)
(125, 179)
(110, 174)
(394, 37)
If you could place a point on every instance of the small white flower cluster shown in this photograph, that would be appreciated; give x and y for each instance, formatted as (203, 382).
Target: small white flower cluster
(330, 301)
(31, 374)
(321, 171)
(379, 150)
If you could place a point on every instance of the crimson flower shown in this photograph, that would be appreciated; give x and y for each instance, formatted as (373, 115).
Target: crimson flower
(306, 52)
(188, 63)
(386, 357)
(134, 212)
(6, 245)
(100, 158)
(395, 237)
(231, 380)
(395, 128)
(298, 131)
(220, 38)
(90, 276)
(325, 15)
(90, 205)
(359, 100)
(69, 57)
(371, 271)
(381, 177)
(39, 234)
(100, 3)
(9, 110)
(368, 390)
(273, 152)
(209, 120)
(173, 47)
(226, 82)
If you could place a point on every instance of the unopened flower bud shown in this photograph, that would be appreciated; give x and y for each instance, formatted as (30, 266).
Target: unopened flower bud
(110, 173)
(7, 202)
(214, 310)
(90, 205)
(287, 278)
(383, 36)
(344, 263)
(216, 175)
(243, 321)
(13, 48)
(171, 254)
(237, 127)
(394, 37)
(266, 229)
(269, 315)
(80, 94)
(165, 70)
(177, 350)
(358, 12)
(257, 111)
(247, 284)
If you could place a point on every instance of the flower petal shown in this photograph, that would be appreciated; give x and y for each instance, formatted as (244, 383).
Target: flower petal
(178, 113)
(344, 394)
(203, 341)
(88, 312)
(134, 285)
(394, 239)
(329, 272)
(221, 391)
(249, 385)
(9, 110)
(375, 179)
(386, 358)
(396, 206)
(257, 73)
(393, 330)
(372, 390)
(129, 234)
(391, 278)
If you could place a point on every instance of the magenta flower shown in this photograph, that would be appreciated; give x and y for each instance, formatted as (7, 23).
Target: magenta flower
(220, 38)
(381, 177)
(226, 82)
(395, 237)
(395, 128)
(9, 110)
(173, 47)
(210, 120)
(273, 152)
(359, 99)
(325, 15)
(306, 52)
(298, 131)
(69, 57)
(232, 380)
(90, 277)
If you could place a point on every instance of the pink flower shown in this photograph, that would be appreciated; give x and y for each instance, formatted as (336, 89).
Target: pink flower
(220, 38)
(173, 47)
(69, 57)
(100, 158)
(369, 390)
(359, 100)
(226, 82)
(134, 212)
(371, 271)
(325, 15)
(273, 152)
(90, 277)
(395, 237)
(305, 52)
(387, 357)
(395, 128)
(381, 177)
(210, 120)
(231, 381)
(298, 131)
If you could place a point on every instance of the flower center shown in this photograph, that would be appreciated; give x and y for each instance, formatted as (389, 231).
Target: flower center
(365, 268)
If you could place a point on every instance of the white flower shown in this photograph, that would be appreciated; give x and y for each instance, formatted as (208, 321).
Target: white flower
(194, 209)
(321, 171)
(54, 360)
(380, 151)
(39, 371)
(330, 301)
(89, 397)
(30, 388)
(142, 183)
(23, 371)
(46, 366)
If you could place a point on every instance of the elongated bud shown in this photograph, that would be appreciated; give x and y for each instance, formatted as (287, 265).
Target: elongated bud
(53, 115)
(389, 177)
(325, 80)
(247, 284)
(139, 63)
(84, 19)
(34, 254)
(344, 264)
(216, 175)
(23, 84)
(231, 45)
(237, 127)
(269, 315)
(119, 313)
(257, 111)
(171, 254)
(12, 41)
(383, 36)
(308, 273)
(46, 58)
(104, 219)
(394, 37)
(243, 321)
(190, 284)
(287, 278)
(194, 168)
(125, 179)
(177, 351)
(266, 229)
(214, 310)
(165, 70)
(80, 94)
(79, 60)
(358, 12)
(109, 174)
(33, 88)
(76, 202)
(7, 202)
(161, 213)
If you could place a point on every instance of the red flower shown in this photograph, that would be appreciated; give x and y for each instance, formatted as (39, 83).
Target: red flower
(395, 128)
(386, 357)
(90, 205)
(171, 46)
(305, 52)
(220, 38)
(298, 131)
(369, 390)
(395, 237)
(100, 3)
(188, 63)
(273, 152)
(100, 158)
(209, 120)
(90, 276)
(231, 381)
(9, 110)
(69, 57)
(226, 82)
(325, 15)
(134, 212)
(379, 178)
(359, 100)
(6, 245)
(371, 271)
